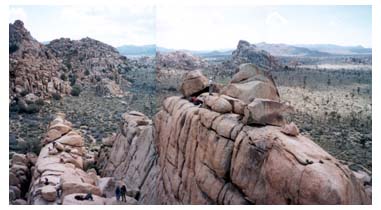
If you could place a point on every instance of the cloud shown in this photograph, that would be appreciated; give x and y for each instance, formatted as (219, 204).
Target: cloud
(113, 25)
(275, 18)
(17, 14)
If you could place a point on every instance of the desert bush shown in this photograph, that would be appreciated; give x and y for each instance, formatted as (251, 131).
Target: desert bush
(39, 102)
(56, 96)
(24, 93)
(29, 109)
(75, 91)
(87, 72)
(63, 77)
(13, 48)
(73, 79)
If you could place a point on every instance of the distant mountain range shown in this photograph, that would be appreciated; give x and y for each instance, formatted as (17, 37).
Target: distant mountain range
(134, 50)
(313, 50)
(337, 49)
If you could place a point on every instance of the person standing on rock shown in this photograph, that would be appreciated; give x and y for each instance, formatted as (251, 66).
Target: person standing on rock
(117, 193)
(59, 190)
(210, 85)
(123, 191)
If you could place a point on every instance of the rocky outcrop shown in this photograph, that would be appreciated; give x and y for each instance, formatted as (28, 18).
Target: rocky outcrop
(19, 177)
(132, 158)
(249, 53)
(61, 165)
(179, 60)
(33, 68)
(207, 157)
(212, 155)
(110, 88)
(193, 83)
(251, 82)
(89, 60)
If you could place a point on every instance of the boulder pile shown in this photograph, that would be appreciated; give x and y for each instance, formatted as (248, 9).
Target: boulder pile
(60, 165)
(20, 168)
(130, 157)
(228, 150)
(208, 157)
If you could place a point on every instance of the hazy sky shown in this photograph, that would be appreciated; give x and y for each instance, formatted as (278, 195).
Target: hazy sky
(201, 27)
(114, 25)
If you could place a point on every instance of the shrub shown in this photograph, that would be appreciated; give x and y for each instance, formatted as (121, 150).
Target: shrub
(87, 72)
(30, 109)
(39, 102)
(73, 79)
(63, 77)
(75, 91)
(24, 93)
(56, 96)
(13, 48)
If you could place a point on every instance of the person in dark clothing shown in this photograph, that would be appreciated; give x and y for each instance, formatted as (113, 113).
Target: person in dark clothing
(46, 181)
(117, 193)
(123, 191)
(89, 196)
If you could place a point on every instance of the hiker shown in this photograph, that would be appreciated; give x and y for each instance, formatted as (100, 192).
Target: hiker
(46, 181)
(58, 190)
(117, 193)
(210, 85)
(54, 144)
(123, 191)
(88, 196)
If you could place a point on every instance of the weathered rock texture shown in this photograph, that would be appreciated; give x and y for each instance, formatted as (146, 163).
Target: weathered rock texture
(249, 53)
(179, 60)
(193, 83)
(19, 176)
(212, 155)
(107, 87)
(33, 68)
(61, 164)
(251, 82)
(210, 158)
(90, 60)
(132, 159)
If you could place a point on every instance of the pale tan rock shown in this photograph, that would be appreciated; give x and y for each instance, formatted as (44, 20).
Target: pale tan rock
(19, 202)
(48, 193)
(19, 159)
(290, 129)
(218, 104)
(72, 139)
(266, 112)
(31, 98)
(251, 82)
(193, 82)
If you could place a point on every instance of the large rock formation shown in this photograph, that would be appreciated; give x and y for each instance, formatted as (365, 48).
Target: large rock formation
(107, 87)
(210, 155)
(19, 176)
(131, 157)
(193, 83)
(61, 164)
(33, 68)
(251, 82)
(90, 60)
(41, 70)
(207, 157)
(179, 60)
(249, 53)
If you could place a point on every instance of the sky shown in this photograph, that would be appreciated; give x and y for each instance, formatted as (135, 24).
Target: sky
(114, 25)
(200, 27)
